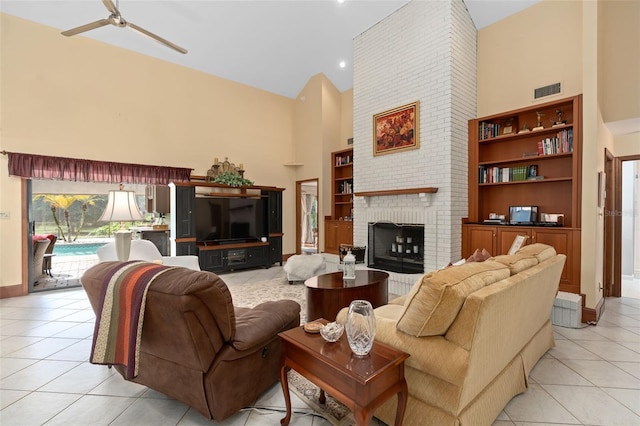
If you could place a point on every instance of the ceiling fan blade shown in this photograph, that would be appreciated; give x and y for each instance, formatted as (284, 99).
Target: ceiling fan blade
(111, 7)
(87, 27)
(155, 37)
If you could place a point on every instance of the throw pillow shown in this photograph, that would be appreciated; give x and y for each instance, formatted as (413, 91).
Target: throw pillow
(436, 298)
(479, 256)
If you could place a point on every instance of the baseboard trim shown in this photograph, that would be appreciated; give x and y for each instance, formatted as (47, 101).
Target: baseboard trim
(11, 291)
(592, 315)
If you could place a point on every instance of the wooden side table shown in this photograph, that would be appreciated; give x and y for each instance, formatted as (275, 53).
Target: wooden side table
(360, 383)
(328, 293)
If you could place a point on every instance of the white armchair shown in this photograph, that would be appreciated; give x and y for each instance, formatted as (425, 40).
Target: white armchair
(146, 250)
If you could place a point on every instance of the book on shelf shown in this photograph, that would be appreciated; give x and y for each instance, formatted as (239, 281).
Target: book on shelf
(345, 188)
(558, 144)
(488, 130)
(493, 174)
(342, 160)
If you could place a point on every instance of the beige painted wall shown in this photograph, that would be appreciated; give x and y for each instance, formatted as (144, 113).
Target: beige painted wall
(519, 54)
(627, 145)
(331, 116)
(585, 35)
(619, 59)
(85, 99)
(322, 114)
(308, 139)
(346, 128)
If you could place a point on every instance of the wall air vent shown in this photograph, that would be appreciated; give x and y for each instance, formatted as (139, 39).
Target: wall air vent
(552, 89)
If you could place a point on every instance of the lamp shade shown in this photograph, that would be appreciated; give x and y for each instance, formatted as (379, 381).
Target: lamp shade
(121, 207)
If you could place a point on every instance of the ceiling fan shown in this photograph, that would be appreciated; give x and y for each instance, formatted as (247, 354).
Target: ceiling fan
(117, 20)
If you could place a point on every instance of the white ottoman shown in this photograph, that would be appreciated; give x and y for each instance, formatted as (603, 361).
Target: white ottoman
(302, 267)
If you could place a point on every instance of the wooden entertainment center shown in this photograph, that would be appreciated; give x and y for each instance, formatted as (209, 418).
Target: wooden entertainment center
(233, 255)
(527, 157)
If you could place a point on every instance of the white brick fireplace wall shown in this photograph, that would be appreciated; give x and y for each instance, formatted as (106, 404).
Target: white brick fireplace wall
(425, 51)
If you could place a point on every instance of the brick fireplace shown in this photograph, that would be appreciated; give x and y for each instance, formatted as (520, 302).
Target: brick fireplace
(433, 46)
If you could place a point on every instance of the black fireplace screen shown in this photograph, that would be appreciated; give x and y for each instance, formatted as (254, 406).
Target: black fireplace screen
(396, 247)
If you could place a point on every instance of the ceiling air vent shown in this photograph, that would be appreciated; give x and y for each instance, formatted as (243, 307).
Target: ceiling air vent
(552, 89)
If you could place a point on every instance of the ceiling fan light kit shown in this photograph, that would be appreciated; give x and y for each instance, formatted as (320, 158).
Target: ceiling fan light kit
(117, 20)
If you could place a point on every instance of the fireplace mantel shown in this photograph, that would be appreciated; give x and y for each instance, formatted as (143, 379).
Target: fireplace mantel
(426, 190)
(407, 191)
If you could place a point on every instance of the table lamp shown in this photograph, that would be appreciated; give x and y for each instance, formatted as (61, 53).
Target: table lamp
(122, 208)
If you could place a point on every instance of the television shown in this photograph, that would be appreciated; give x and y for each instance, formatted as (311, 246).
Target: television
(226, 220)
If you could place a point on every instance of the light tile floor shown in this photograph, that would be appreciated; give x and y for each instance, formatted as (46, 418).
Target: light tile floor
(65, 272)
(591, 377)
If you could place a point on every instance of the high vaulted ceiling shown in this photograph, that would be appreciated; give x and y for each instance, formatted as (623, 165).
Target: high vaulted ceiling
(272, 45)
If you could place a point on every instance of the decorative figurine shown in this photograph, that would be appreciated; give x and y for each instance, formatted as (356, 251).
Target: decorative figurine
(525, 128)
(559, 121)
(539, 126)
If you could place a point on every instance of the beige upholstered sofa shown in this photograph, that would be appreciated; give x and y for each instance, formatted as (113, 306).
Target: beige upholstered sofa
(474, 332)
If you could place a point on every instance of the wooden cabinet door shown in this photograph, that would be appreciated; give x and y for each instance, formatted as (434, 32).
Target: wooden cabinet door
(506, 236)
(275, 248)
(275, 212)
(562, 241)
(258, 256)
(186, 248)
(479, 237)
(211, 260)
(185, 220)
(345, 233)
(331, 236)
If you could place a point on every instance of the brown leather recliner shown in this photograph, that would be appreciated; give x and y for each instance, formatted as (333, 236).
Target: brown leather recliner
(197, 347)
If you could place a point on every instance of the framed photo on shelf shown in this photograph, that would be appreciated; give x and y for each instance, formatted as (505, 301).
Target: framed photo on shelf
(508, 126)
(397, 129)
(518, 242)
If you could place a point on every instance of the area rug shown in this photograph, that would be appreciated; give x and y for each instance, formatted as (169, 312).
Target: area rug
(332, 410)
(249, 295)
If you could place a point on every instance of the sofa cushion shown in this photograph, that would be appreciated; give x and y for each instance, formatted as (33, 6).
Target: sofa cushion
(435, 299)
(517, 262)
(541, 251)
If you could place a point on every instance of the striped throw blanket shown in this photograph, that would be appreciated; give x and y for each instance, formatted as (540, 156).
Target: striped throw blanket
(118, 329)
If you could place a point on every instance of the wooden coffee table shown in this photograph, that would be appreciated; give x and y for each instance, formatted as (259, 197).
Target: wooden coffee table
(328, 293)
(360, 383)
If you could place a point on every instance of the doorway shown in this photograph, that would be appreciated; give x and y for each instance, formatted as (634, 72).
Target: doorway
(64, 230)
(630, 241)
(622, 227)
(307, 216)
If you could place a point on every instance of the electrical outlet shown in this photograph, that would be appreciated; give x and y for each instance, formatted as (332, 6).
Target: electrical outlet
(4, 215)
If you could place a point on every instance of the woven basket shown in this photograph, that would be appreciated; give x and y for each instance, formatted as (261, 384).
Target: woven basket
(358, 252)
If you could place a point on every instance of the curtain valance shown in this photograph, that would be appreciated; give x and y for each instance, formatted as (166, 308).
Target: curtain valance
(73, 169)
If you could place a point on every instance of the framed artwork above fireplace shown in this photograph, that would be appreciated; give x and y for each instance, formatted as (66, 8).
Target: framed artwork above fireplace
(397, 129)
